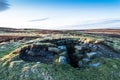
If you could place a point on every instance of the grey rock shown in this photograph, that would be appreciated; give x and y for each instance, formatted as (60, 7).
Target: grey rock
(94, 48)
(90, 45)
(91, 54)
(38, 62)
(80, 63)
(78, 47)
(54, 49)
(62, 60)
(63, 53)
(62, 47)
(86, 60)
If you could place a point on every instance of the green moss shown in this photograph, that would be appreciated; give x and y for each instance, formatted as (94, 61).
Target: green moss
(8, 47)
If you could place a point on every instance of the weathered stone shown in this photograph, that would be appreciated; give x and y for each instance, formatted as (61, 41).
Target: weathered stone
(78, 47)
(90, 45)
(91, 54)
(63, 53)
(67, 51)
(83, 47)
(38, 62)
(62, 60)
(94, 48)
(86, 60)
(99, 54)
(54, 49)
(62, 47)
(80, 63)
(86, 45)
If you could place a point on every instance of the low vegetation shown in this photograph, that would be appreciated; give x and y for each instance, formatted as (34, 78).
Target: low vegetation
(7, 47)
(13, 67)
(17, 69)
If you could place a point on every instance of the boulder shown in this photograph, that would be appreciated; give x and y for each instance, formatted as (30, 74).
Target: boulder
(84, 46)
(62, 60)
(62, 47)
(54, 49)
(63, 53)
(80, 63)
(91, 54)
(78, 47)
(90, 45)
(94, 48)
(86, 60)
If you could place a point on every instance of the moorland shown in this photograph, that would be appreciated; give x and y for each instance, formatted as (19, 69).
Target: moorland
(34, 54)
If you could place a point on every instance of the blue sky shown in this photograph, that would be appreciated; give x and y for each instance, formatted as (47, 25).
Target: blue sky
(58, 14)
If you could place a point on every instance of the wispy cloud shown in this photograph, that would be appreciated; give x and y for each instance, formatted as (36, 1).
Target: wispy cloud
(3, 5)
(113, 24)
(42, 19)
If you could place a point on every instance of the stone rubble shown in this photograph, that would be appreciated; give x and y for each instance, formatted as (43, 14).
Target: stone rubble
(85, 53)
(75, 53)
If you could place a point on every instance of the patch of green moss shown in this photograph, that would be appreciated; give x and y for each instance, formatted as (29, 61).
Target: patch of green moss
(8, 47)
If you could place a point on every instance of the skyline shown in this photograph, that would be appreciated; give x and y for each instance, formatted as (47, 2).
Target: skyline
(58, 14)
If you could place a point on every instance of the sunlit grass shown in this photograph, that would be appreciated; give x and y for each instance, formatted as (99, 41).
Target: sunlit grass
(8, 47)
